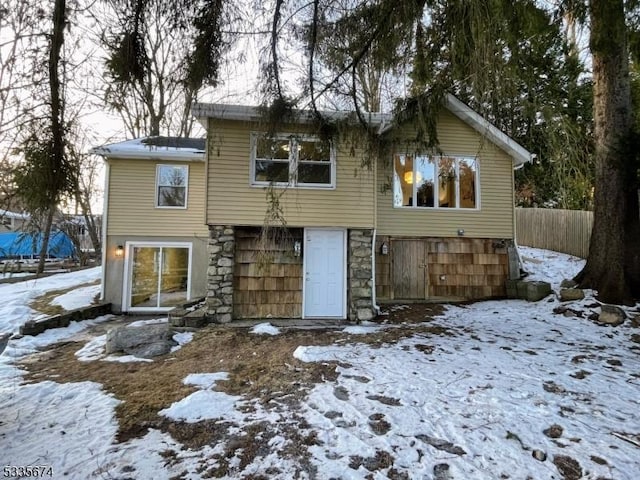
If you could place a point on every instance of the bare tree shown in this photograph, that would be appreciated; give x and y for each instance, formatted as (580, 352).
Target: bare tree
(159, 56)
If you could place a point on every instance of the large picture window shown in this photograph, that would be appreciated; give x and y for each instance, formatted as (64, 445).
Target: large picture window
(171, 186)
(435, 181)
(297, 161)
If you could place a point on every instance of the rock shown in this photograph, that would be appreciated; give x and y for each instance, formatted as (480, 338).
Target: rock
(568, 283)
(441, 472)
(364, 314)
(611, 315)
(341, 393)
(568, 467)
(569, 294)
(441, 444)
(539, 455)
(146, 341)
(534, 291)
(554, 431)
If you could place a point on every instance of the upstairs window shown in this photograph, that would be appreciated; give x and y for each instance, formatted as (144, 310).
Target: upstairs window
(298, 161)
(435, 181)
(171, 186)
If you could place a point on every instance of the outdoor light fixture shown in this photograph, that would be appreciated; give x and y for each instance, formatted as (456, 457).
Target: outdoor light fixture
(461, 232)
(297, 248)
(119, 251)
(384, 249)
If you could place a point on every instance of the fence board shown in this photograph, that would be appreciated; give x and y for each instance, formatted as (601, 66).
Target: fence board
(566, 231)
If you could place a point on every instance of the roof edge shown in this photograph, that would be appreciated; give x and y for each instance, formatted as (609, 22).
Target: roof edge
(464, 112)
(253, 114)
(137, 150)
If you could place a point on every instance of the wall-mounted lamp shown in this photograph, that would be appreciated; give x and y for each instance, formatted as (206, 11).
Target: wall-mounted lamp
(297, 248)
(384, 249)
(119, 251)
(461, 232)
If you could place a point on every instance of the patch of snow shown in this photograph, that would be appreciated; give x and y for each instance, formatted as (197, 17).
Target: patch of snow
(265, 329)
(204, 405)
(205, 381)
(182, 338)
(548, 266)
(152, 321)
(361, 329)
(126, 359)
(15, 297)
(93, 350)
(77, 298)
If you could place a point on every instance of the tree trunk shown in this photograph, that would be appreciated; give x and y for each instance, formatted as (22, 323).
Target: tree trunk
(46, 235)
(615, 219)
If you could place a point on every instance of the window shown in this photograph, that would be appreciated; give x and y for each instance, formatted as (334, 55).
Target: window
(171, 186)
(298, 161)
(435, 181)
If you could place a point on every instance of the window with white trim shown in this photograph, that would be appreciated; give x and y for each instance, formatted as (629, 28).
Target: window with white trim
(430, 181)
(171, 186)
(298, 161)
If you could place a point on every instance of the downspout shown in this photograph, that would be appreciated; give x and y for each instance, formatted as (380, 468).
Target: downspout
(105, 211)
(376, 307)
(374, 304)
(515, 223)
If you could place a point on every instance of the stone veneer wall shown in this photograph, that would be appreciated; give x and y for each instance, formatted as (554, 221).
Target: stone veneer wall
(221, 250)
(360, 275)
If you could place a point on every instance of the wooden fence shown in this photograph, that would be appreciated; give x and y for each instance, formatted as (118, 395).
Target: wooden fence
(566, 231)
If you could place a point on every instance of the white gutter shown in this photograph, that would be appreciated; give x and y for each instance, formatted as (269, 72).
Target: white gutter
(137, 154)
(254, 114)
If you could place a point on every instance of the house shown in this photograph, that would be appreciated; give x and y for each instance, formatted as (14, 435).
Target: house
(13, 221)
(154, 234)
(416, 224)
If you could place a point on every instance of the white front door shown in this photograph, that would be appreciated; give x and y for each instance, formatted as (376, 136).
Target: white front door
(325, 269)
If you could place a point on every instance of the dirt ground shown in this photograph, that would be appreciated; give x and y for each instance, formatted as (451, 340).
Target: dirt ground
(260, 367)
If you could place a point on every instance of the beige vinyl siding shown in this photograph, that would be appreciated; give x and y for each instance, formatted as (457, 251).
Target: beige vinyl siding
(495, 216)
(132, 199)
(233, 201)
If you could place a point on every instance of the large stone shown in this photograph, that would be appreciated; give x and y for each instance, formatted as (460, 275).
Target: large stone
(195, 319)
(146, 341)
(364, 314)
(533, 291)
(222, 318)
(611, 315)
(225, 262)
(512, 288)
(360, 293)
(569, 294)
(568, 283)
(361, 273)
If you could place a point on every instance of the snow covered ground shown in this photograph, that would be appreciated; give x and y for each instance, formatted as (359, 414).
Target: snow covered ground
(473, 403)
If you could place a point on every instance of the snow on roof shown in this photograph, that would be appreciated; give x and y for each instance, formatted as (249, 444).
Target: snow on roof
(164, 148)
(383, 121)
(8, 214)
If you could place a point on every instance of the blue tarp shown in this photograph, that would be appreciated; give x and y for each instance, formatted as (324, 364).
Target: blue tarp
(21, 244)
